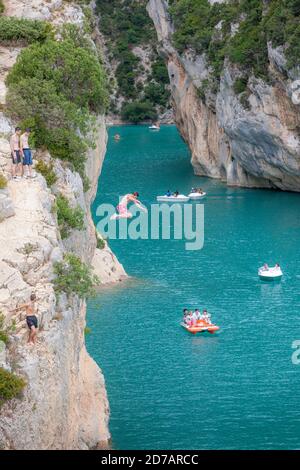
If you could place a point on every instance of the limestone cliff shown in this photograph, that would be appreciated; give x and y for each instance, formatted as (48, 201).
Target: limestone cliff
(257, 145)
(64, 405)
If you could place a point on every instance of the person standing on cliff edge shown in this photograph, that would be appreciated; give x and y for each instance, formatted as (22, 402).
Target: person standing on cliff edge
(26, 152)
(16, 153)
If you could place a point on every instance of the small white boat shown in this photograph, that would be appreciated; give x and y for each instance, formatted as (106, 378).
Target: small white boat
(179, 198)
(196, 196)
(270, 274)
(154, 127)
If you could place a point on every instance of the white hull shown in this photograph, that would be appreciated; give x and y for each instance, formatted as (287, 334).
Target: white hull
(172, 199)
(196, 196)
(271, 274)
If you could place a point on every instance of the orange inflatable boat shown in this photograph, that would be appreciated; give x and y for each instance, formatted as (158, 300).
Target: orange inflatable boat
(200, 327)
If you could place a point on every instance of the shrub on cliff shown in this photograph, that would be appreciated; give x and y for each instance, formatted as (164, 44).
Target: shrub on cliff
(5, 330)
(68, 217)
(138, 112)
(1, 7)
(125, 25)
(3, 181)
(73, 276)
(23, 31)
(240, 85)
(157, 94)
(207, 28)
(100, 242)
(54, 88)
(47, 172)
(11, 386)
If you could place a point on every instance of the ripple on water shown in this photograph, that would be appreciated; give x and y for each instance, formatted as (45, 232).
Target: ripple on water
(168, 389)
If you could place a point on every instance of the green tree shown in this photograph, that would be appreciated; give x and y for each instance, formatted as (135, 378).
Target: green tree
(56, 87)
(137, 111)
(73, 276)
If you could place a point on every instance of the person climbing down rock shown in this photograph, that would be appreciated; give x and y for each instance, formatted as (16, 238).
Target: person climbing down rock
(26, 153)
(16, 153)
(31, 318)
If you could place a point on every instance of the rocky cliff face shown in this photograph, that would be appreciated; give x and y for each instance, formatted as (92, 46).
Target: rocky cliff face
(64, 404)
(253, 146)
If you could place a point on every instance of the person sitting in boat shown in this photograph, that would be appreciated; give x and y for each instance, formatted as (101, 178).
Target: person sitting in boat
(197, 314)
(265, 267)
(277, 266)
(186, 316)
(168, 193)
(199, 191)
(176, 194)
(206, 316)
(193, 190)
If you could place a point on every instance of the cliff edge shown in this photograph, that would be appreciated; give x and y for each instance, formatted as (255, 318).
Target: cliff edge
(242, 128)
(64, 403)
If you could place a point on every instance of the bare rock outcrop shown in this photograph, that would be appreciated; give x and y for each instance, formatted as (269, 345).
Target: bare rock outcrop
(254, 146)
(64, 405)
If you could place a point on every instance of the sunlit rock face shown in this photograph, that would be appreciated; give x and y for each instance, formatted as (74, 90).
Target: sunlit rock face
(64, 405)
(253, 146)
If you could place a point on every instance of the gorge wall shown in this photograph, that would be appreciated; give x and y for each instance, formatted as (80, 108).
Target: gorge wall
(252, 145)
(64, 404)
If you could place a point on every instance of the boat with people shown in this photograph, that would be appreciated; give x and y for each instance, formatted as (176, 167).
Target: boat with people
(197, 193)
(172, 197)
(267, 273)
(154, 127)
(179, 198)
(197, 322)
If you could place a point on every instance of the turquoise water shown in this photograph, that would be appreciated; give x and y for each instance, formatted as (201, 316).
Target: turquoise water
(168, 389)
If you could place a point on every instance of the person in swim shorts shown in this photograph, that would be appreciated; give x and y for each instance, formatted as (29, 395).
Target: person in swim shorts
(26, 153)
(31, 318)
(16, 153)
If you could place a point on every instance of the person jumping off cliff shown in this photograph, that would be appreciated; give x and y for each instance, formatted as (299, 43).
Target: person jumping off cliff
(122, 210)
(31, 318)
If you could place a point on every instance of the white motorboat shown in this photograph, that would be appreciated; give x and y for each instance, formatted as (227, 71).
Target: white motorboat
(270, 274)
(154, 127)
(172, 199)
(195, 196)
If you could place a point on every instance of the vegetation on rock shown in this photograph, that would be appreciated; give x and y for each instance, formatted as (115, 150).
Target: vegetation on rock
(11, 386)
(100, 242)
(23, 31)
(127, 25)
(238, 30)
(138, 111)
(3, 181)
(73, 276)
(68, 217)
(54, 88)
(5, 330)
(47, 171)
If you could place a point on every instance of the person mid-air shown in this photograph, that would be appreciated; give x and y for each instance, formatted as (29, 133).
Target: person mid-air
(122, 207)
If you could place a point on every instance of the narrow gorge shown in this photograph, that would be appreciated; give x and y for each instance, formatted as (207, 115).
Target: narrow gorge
(241, 120)
(227, 73)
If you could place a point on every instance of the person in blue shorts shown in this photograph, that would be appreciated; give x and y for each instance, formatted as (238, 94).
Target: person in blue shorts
(26, 153)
